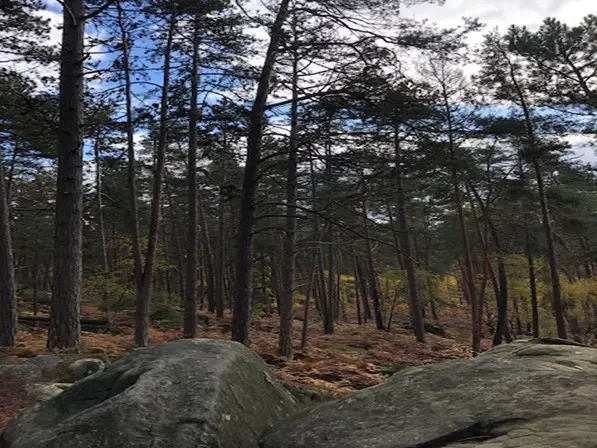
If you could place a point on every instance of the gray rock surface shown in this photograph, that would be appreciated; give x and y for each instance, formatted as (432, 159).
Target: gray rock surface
(537, 394)
(85, 367)
(30, 371)
(184, 394)
(44, 391)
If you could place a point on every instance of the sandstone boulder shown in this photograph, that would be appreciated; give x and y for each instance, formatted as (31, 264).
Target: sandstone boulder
(183, 394)
(537, 394)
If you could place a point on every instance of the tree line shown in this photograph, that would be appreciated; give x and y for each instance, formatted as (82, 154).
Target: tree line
(329, 168)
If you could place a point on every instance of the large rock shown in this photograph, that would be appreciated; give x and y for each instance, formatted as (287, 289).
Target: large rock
(184, 394)
(84, 367)
(534, 395)
(30, 371)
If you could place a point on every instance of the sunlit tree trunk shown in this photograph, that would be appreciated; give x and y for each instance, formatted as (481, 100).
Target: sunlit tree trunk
(243, 289)
(65, 329)
(144, 296)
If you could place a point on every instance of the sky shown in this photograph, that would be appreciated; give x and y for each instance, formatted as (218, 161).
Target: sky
(502, 13)
(493, 13)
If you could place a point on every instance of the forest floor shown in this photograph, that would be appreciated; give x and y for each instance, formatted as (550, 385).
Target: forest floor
(354, 357)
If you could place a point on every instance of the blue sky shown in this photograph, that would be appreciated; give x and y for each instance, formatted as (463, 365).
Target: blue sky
(494, 13)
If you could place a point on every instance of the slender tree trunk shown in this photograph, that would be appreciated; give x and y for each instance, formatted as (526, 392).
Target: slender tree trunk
(289, 245)
(310, 289)
(144, 296)
(584, 244)
(331, 289)
(468, 265)
(133, 209)
(533, 288)
(35, 276)
(556, 288)
(502, 305)
(357, 294)
(484, 240)
(8, 299)
(275, 282)
(372, 277)
(243, 290)
(208, 259)
(100, 222)
(322, 295)
(362, 281)
(65, 328)
(177, 251)
(11, 173)
(415, 306)
(220, 274)
(189, 329)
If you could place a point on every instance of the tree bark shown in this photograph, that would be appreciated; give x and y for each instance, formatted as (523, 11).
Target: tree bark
(289, 245)
(8, 299)
(310, 289)
(501, 330)
(208, 259)
(144, 296)
(357, 294)
(533, 288)
(556, 287)
(100, 222)
(241, 316)
(362, 282)
(220, 273)
(65, 330)
(133, 209)
(458, 202)
(189, 329)
(372, 276)
(405, 249)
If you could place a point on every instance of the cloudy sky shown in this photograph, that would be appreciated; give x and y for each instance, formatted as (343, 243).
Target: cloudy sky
(502, 13)
(493, 13)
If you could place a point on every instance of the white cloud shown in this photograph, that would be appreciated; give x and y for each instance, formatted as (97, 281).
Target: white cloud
(503, 13)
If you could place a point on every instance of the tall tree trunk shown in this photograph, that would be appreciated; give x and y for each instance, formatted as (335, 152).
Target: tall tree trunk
(208, 259)
(372, 276)
(8, 299)
(584, 244)
(362, 281)
(533, 288)
(484, 240)
(468, 265)
(331, 289)
(11, 173)
(35, 276)
(189, 329)
(403, 230)
(289, 245)
(220, 273)
(65, 328)
(310, 289)
(144, 296)
(133, 209)
(100, 222)
(357, 294)
(501, 330)
(556, 287)
(177, 250)
(243, 290)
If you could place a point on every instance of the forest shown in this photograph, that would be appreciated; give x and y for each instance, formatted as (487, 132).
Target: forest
(316, 162)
